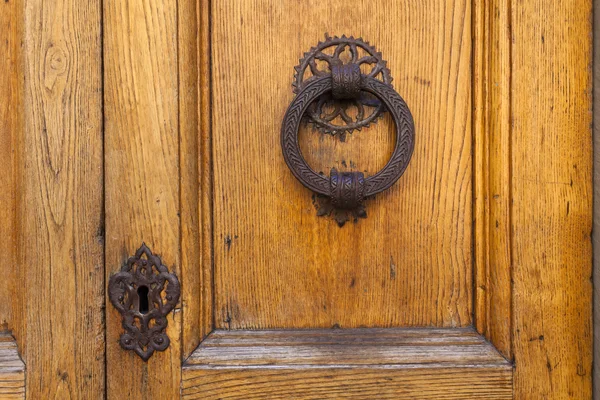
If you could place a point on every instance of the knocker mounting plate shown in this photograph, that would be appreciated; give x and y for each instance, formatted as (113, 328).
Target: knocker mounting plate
(336, 115)
(144, 292)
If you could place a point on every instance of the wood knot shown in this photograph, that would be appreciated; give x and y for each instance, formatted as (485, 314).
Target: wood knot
(55, 65)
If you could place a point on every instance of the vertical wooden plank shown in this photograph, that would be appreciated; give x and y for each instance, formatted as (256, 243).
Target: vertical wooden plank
(142, 174)
(491, 124)
(191, 260)
(62, 209)
(552, 194)
(11, 130)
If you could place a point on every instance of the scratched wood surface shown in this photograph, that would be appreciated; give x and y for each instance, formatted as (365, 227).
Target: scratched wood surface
(61, 211)
(276, 263)
(552, 199)
(142, 174)
(347, 364)
(11, 128)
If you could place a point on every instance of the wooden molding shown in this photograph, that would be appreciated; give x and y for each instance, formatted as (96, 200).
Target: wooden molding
(347, 363)
(491, 170)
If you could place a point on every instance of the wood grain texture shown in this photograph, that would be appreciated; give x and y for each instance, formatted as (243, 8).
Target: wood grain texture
(596, 225)
(12, 369)
(11, 130)
(492, 129)
(142, 174)
(191, 261)
(552, 198)
(61, 211)
(347, 364)
(206, 294)
(279, 265)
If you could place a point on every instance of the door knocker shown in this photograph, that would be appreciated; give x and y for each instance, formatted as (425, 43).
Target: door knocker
(344, 84)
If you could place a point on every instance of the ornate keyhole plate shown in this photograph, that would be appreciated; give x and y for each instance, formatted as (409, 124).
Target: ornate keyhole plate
(144, 292)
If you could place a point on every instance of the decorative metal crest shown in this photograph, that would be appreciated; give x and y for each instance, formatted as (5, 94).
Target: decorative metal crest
(144, 292)
(334, 115)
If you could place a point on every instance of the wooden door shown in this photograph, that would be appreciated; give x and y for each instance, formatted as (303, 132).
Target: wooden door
(158, 122)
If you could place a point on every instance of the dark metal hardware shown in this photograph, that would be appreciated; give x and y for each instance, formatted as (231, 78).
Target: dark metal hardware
(346, 190)
(331, 112)
(144, 292)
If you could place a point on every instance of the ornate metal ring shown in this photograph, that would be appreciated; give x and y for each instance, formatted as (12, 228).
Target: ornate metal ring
(347, 190)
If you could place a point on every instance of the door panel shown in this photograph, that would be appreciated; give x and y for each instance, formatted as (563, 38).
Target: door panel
(141, 138)
(277, 265)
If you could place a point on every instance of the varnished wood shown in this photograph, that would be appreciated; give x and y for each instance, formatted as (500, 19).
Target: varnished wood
(143, 174)
(279, 265)
(551, 153)
(349, 364)
(61, 206)
(11, 134)
(12, 369)
(492, 169)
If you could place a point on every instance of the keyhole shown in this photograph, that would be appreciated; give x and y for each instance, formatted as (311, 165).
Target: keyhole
(143, 299)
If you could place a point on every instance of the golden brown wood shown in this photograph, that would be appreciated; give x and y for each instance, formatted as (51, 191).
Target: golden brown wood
(348, 364)
(276, 263)
(596, 224)
(12, 369)
(189, 179)
(61, 227)
(11, 129)
(205, 296)
(491, 126)
(142, 174)
(552, 198)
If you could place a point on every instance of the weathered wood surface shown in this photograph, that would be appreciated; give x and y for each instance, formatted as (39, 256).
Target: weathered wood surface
(12, 369)
(60, 214)
(143, 174)
(551, 162)
(347, 364)
(279, 265)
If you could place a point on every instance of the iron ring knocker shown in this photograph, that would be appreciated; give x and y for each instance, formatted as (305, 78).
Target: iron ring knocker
(347, 190)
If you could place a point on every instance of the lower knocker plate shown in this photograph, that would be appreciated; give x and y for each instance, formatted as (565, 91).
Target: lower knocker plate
(341, 116)
(144, 292)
